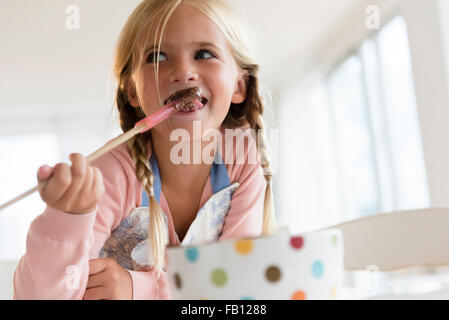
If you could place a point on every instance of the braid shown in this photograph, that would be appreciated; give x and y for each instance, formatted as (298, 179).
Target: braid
(250, 111)
(269, 225)
(253, 114)
(138, 149)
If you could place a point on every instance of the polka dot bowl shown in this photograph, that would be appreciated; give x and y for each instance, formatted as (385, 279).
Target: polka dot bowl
(306, 266)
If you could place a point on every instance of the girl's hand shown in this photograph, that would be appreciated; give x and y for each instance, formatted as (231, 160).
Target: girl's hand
(74, 189)
(108, 281)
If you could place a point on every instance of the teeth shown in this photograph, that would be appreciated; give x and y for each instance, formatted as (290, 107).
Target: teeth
(186, 94)
(190, 99)
(195, 105)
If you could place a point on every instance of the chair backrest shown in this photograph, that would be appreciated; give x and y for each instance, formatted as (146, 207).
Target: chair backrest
(397, 240)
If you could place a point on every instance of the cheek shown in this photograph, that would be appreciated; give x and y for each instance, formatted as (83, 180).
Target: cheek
(148, 92)
(222, 84)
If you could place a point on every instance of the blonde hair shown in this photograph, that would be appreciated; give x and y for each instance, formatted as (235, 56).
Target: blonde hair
(127, 59)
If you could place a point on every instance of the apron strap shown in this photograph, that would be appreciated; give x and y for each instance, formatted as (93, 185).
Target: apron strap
(156, 183)
(218, 175)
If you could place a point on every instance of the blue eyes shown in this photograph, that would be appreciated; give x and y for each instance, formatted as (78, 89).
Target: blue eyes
(152, 57)
(200, 54)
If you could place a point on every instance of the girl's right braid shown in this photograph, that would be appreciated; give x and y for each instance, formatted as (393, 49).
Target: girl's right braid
(138, 149)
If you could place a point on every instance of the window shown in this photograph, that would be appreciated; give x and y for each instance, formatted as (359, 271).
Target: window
(376, 130)
(353, 140)
(356, 134)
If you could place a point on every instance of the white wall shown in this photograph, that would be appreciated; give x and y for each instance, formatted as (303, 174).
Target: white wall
(429, 62)
(443, 8)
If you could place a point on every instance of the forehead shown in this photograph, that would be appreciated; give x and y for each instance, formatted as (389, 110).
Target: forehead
(187, 25)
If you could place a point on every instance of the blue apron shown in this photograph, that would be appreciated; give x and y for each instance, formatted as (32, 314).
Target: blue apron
(129, 245)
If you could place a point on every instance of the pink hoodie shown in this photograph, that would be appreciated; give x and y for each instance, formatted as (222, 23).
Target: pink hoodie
(60, 245)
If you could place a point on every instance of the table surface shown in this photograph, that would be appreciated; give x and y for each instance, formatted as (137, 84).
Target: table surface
(419, 286)
(408, 286)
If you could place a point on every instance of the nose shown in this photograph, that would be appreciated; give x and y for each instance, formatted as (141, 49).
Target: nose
(183, 72)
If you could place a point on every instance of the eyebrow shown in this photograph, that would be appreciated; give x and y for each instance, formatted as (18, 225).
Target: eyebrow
(197, 44)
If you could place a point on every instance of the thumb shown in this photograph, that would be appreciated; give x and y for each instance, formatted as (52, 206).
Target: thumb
(44, 172)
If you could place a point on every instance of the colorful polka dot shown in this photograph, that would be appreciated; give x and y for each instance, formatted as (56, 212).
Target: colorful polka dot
(273, 273)
(317, 269)
(334, 239)
(192, 254)
(219, 277)
(334, 291)
(299, 295)
(297, 242)
(243, 247)
(178, 282)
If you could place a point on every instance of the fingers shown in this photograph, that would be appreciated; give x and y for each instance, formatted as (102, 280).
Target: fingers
(98, 184)
(73, 189)
(45, 172)
(86, 190)
(96, 293)
(78, 175)
(97, 284)
(57, 185)
(108, 280)
(98, 265)
(96, 280)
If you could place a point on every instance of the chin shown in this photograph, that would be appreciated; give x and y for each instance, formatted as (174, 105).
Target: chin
(194, 129)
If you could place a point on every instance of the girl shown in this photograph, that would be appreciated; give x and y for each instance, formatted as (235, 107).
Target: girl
(91, 242)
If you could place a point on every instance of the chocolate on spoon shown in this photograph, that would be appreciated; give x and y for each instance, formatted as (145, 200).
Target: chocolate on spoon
(186, 98)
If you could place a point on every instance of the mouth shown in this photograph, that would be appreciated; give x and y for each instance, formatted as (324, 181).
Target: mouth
(188, 100)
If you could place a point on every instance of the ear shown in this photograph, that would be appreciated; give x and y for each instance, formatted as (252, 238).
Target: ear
(131, 94)
(240, 88)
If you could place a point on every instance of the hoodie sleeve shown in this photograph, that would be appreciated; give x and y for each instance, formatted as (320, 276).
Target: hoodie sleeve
(147, 287)
(59, 245)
